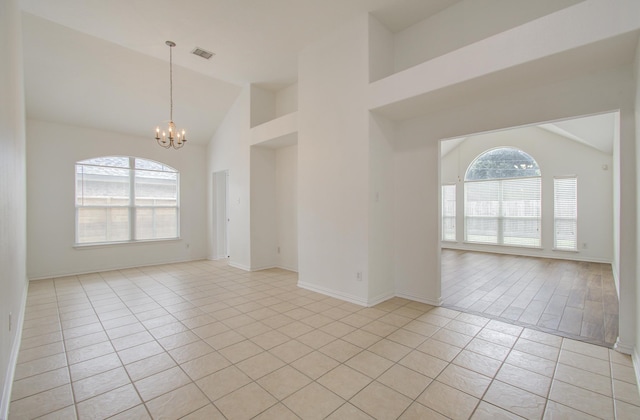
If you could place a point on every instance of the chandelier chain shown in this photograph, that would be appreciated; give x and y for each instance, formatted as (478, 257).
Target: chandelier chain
(171, 83)
(172, 137)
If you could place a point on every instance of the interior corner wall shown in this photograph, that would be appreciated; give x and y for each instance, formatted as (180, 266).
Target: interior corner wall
(13, 237)
(381, 50)
(287, 207)
(262, 105)
(52, 151)
(636, 303)
(333, 163)
(218, 242)
(287, 100)
(556, 156)
(443, 33)
(628, 275)
(417, 229)
(264, 229)
(381, 209)
(229, 150)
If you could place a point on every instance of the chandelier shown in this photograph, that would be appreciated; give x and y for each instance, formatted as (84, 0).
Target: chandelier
(172, 137)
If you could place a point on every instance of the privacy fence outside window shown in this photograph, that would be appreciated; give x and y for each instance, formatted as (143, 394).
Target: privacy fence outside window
(126, 199)
(502, 205)
(565, 213)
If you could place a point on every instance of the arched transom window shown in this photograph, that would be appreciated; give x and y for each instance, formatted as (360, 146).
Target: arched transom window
(126, 199)
(503, 199)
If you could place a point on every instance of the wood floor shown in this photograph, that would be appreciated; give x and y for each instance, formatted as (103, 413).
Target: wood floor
(567, 298)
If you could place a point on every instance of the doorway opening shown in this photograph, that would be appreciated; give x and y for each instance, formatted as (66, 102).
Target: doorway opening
(569, 291)
(220, 215)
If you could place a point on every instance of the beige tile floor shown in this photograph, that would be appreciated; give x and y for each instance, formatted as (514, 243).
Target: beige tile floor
(203, 340)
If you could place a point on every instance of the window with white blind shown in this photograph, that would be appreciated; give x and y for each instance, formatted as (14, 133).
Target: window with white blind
(449, 212)
(565, 213)
(125, 199)
(502, 204)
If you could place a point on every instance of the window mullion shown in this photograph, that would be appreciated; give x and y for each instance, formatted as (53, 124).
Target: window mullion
(132, 199)
(118, 200)
(500, 213)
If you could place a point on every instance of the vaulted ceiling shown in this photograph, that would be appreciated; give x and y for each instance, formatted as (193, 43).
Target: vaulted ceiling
(104, 64)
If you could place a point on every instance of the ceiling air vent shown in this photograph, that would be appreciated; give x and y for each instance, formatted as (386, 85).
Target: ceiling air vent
(202, 53)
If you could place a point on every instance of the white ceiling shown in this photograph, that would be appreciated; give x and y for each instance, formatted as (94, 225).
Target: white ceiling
(103, 64)
(596, 131)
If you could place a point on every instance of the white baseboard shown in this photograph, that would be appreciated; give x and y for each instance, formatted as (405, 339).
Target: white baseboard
(284, 267)
(13, 358)
(103, 269)
(623, 348)
(524, 252)
(240, 266)
(616, 279)
(432, 302)
(268, 267)
(635, 358)
(380, 298)
(338, 295)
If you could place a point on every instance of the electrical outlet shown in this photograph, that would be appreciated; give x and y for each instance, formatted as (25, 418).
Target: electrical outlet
(359, 276)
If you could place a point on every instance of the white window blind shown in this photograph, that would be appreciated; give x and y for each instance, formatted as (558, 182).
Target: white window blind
(565, 213)
(449, 212)
(502, 199)
(503, 211)
(121, 199)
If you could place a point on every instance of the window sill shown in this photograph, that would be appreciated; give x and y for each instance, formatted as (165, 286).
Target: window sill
(503, 245)
(574, 251)
(95, 245)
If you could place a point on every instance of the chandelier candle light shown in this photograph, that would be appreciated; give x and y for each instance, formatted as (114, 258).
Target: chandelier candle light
(175, 139)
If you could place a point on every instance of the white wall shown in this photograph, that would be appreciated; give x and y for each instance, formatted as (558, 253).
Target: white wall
(417, 240)
(417, 173)
(264, 230)
(262, 195)
(381, 210)
(262, 105)
(218, 237)
(556, 156)
(636, 299)
(615, 265)
(287, 206)
(464, 23)
(229, 150)
(628, 246)
(287, 100)
(333, 163)
(52, 151)
(13, 248)
(381, 50)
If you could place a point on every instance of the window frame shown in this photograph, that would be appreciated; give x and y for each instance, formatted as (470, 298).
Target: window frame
(563, 218)
(500, 218)
(132, 207)
(443, 215)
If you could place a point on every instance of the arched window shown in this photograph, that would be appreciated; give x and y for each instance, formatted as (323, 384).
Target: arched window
(502, 199)
(126, 199)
